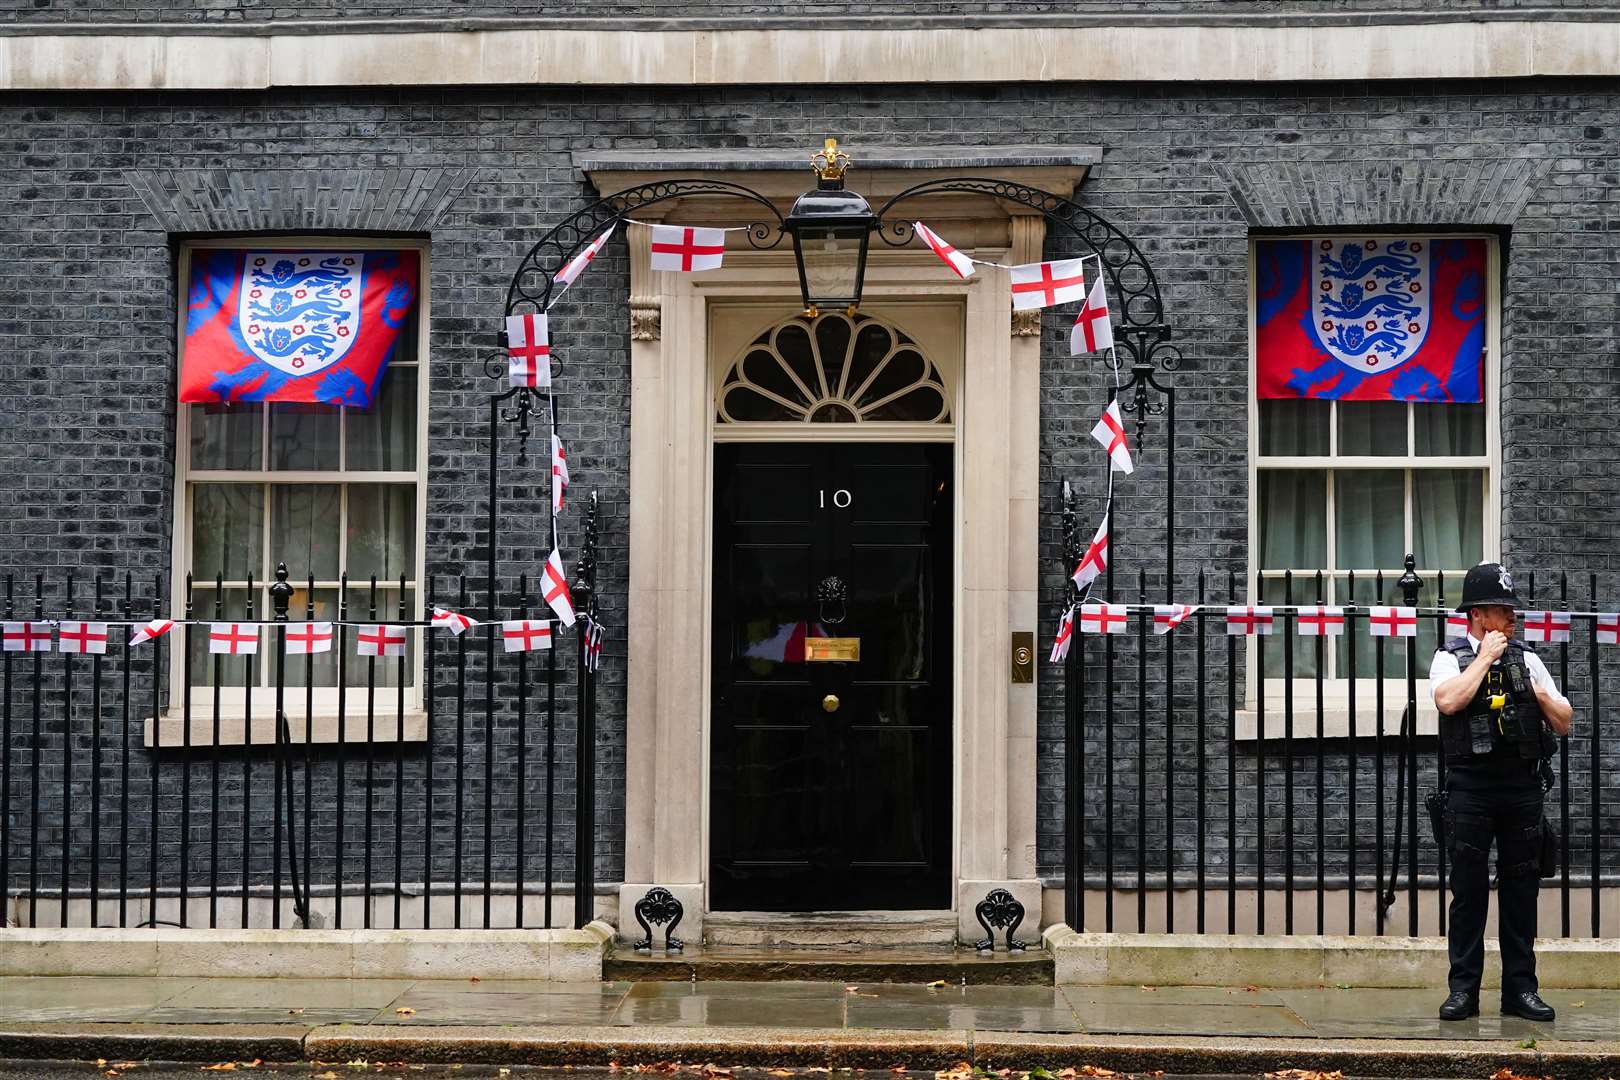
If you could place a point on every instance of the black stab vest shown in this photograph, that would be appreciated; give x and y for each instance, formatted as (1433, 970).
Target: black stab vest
(1479, 731)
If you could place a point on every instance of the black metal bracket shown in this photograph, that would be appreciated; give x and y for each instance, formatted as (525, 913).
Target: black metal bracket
(999, 909)
(659, 906)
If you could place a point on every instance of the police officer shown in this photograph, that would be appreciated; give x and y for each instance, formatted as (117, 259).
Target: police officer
(1496, 702)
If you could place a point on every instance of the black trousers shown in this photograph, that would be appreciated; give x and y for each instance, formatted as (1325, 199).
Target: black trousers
(1512, 818)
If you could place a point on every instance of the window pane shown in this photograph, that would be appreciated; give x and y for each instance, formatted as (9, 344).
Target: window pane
(227, 531)
(304, 529)
(1293, 519)
(383, 437)
(1303, 590)
(1453, 430)
(382, 531)
(384, 606)
(298, 611)
(1370, 519)
(304, 436)
(226, 436)
(231, 604)
(1372, 428)
(1448, 517)
(1294, 427)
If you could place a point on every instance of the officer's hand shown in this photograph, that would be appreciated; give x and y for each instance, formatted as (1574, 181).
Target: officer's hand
(1494, 645)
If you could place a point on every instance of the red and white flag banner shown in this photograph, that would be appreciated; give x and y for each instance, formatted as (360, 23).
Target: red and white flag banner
(304, 639)
(959, 263)
(559, 473)
(1392, 622)
(1320, 621)
(1095, 560)
(1103, 618)
(82, 637)
(25, 636)
(1166, 617)
(1456, 625)
(528, 350)
(685, 250)
(576, 266)
(554, 587)
(1065, 634)
(1092, 331)
(1545, 625)
(155, 628)
(1608, 628)
(1110, 431)
(453, 621)
(1044, 284)
(233, 639)
(594, 633)
(380, 641)
(526, 635)
(1248, 621)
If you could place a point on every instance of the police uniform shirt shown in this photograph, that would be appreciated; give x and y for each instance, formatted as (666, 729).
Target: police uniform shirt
(1503, 765)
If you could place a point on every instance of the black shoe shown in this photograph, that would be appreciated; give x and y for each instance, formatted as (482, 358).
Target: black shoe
(1528, 1005)
(1460, 1006)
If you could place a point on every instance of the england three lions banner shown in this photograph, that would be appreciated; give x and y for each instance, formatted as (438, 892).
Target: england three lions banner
(1351, 318)
(305, 326)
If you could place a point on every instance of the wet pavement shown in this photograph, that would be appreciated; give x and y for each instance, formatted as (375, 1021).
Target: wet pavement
(1323, 1014)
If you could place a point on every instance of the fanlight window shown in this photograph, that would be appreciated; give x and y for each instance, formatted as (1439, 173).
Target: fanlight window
(833, 370)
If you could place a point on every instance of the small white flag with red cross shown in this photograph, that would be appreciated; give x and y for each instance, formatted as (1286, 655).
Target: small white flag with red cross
(1166, 617)
(1608, 628)
(594, 633)
(1248, 620)
(1392, 622)
(1092, 331)
(1320, 621)
(528, 350)
(1044, 284)
(526, 635)
(1110, 431)
(233, 638)
(453, 621)
(554, 587)
(576, 266)
(1065, 634)
(156, 628)
(1103, 618)
(959, 263)
(685, 250)
(26, 636)
(559, 473)
(304, 639)
(1545, 625)
(1095, 560)
(81, 637)
(380, 641)
(1456, 625)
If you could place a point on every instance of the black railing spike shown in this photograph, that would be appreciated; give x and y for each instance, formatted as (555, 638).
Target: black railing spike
(584, 587)
(1410, 584)
(281, 592)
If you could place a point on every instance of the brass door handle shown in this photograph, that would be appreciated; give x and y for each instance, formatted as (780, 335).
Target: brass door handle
(829, 703)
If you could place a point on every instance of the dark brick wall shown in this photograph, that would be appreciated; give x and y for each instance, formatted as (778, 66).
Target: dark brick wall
(87, 329)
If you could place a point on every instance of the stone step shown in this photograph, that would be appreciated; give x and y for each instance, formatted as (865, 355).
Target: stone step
(918, 965)
(829, 929)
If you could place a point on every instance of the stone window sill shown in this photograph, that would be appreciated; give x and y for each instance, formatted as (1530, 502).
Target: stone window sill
(1334, 722)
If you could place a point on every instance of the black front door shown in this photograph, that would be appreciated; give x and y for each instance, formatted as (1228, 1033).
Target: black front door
(831, 781)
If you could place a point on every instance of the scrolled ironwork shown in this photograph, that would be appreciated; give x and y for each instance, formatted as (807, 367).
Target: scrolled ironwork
(657, 908)
(999, 909)
(832, 590)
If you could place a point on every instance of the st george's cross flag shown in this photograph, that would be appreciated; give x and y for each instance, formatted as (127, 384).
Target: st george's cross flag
(154, 628)
(380, 641)
(1065, 634)
(305, 639)
(1044, 284)
(1456, 625)
(1608, 628)
(685, 250)
(233, 639)
(1092, 331)
(1357, 318)
(453, 621)
(559, 473)
(1110, 431)
(25, 636)
(1320, 620)
(1248, 620)
(576, 266)
(1545, 625)
(528, 350)
(1166, 617)
(594, 633)
(317, 327)
(82, 637)
(554, 588)
(526, 635)
(1392, 622)
(959, 263)
(1103, 618)
(1095, 560)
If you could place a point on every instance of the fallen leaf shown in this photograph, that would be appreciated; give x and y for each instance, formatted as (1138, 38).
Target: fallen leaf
(712, 1069)
(504, 1072)
(101, 1063)
(475, 979)
(358, 1063)
(1253, 989)
(937, 983)
(780, 1072)
(1096, 1070)
(110, 1072)
(1577, 1004)
(1304, 1074)
(327, 1075)
(404, 1010)
(900, 1069)
(294, 1012)
(1151, 989)
(230, 1066)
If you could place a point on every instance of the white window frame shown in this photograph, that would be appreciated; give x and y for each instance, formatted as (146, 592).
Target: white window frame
(322, 724)
(1335, 721)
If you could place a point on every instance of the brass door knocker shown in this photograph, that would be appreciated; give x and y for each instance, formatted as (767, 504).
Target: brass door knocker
(831, 592)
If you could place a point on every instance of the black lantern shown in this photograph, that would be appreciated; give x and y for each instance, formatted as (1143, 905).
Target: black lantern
(830, 228)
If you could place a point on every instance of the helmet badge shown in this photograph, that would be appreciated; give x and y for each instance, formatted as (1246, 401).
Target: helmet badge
(1505, 578)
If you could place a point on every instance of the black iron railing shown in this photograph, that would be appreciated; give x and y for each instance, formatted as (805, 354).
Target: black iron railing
(428, 789)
